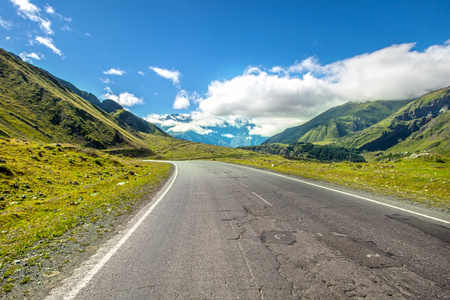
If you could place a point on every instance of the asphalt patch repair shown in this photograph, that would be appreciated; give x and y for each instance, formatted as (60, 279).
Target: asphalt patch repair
(278, 237)
(366, 253)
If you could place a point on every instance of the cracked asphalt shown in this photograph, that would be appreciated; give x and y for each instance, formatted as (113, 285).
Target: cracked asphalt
(229, 232)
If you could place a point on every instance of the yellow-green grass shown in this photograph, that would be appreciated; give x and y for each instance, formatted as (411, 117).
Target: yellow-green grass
(46, 190)
(169, 148)
(424, 180)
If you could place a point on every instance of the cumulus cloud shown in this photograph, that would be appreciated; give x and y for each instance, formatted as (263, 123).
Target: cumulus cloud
(114, 71)
(182, 100)
(167, 74)
(48, 42)
(125, 99)
(29, 57)
(287, 96)
(28, 10)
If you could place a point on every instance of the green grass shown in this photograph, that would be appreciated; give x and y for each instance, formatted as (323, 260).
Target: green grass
(169, 148)
(49, 189)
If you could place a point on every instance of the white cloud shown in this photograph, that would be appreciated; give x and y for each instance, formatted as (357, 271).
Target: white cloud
(184, 127)
(141, 73)
(5, 24)
(182, 123)
(29, 57)
(48, 42)
(30, 11)
(228, 135)
(167, 74)
(114, 71)
(27, 9)
(51, 11)
(288, 96)
(124, 99)
(183, 99)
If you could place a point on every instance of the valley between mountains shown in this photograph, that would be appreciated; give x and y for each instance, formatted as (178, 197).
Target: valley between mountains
(353, 203)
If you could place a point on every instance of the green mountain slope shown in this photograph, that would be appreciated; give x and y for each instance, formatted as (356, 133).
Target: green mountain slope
(129, 120)
(434, 135)
(36, 105)
(420, 125)
(338, 122)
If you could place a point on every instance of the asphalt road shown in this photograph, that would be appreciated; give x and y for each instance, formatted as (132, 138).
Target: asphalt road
(220, 231)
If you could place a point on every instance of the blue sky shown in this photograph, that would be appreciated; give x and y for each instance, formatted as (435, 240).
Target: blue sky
(275, 64)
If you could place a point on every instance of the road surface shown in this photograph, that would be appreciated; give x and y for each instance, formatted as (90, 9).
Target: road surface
(221, 231)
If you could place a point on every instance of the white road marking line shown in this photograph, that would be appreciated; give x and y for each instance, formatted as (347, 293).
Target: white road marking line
(92, 272)
(264, 200)
(243, 184)
(356, 196)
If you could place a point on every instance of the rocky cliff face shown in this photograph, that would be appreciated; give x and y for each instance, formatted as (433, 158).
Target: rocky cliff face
(418, 116)
(426, 110)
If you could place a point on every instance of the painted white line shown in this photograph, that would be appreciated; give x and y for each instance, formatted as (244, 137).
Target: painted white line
(243, 184)
(265, 201)
(355, 196)
(61, 294)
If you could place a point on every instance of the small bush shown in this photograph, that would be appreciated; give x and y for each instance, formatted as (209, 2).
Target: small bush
(7, 287)
(98, 162)
(25, 280)
(4, 169)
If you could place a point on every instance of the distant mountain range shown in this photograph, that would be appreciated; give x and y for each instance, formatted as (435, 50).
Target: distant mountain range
(236, 135)
(413, 125)
(39, 106)
(338, 122)
(422, 124)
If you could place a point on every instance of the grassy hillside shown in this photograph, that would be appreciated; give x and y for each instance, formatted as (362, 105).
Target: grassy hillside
(48, 190)
(435, 135)
(34, 105)
(420, 125)
(338, 122)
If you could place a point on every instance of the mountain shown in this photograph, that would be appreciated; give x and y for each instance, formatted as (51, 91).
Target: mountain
(423, 124)
(228, 135)
(412, 125)
(37, 105)
(85, 95)
(338, 122)
(110, 106)
(126, 118)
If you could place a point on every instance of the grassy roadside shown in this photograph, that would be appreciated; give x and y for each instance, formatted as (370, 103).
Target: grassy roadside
(423, 179)
(47, 190)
